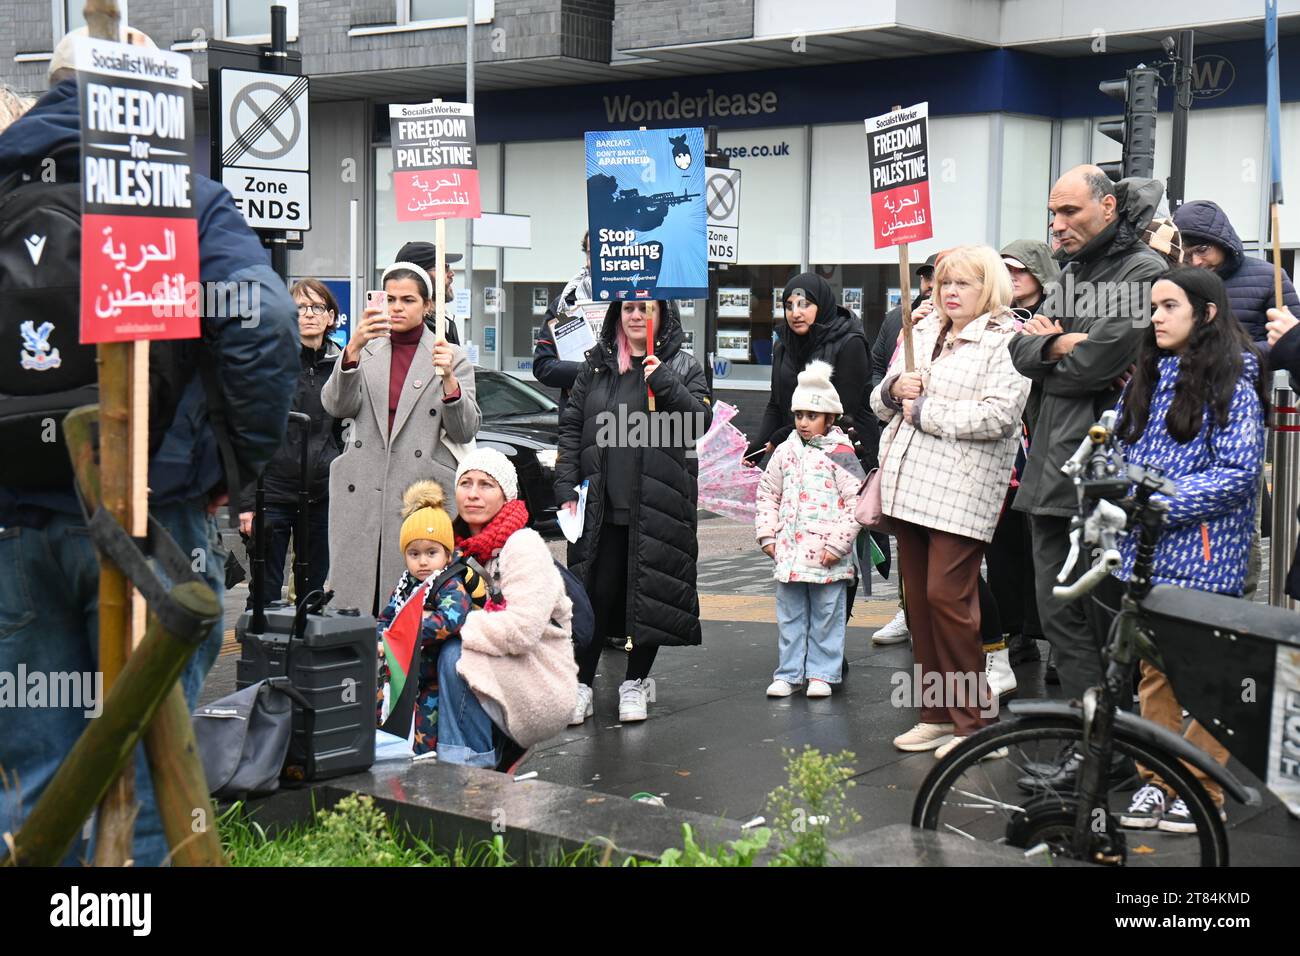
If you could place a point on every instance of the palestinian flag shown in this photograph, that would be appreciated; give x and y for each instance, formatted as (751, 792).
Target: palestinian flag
(401, 650)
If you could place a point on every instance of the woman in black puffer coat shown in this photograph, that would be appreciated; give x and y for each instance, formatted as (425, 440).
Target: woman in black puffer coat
(637, 552)
(817, 327)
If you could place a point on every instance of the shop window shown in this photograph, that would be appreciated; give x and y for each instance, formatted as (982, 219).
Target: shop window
(250, 20)
(437, 9)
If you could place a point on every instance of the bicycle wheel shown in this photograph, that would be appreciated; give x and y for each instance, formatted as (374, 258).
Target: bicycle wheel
(978, 798)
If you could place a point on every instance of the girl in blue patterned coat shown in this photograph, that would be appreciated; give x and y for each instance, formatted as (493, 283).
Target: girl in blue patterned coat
(1195, 409)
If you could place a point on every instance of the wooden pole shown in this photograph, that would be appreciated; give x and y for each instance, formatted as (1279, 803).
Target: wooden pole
(440, 286)
(116, 813)
(106, 745)
(650, 348)
(1277, 257)
(180, 787)
(439, 283)
(905, 286)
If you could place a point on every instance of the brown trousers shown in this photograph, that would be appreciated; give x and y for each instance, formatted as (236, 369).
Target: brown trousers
(941, 576)
(1157, 704)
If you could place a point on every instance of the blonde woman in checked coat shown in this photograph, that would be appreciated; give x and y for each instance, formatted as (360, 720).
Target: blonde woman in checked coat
(946, 454)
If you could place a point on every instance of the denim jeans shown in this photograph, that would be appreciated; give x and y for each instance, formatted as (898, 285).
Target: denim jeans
(810, 619)
(281, 524)
(49, 623)
(466, 734)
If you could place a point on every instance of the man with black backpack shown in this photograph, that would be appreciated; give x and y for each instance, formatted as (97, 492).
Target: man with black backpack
(203, 438)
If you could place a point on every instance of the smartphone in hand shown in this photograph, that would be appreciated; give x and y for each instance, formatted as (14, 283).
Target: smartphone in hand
(378, 299)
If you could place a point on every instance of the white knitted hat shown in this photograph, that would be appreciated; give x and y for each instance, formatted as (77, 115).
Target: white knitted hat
(815, 393)
(495, 465)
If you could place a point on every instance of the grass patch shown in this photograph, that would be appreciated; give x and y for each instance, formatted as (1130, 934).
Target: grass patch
(806, 813)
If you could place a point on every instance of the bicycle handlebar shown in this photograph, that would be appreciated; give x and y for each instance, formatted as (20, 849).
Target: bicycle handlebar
(1108, 562)
(1102, 478)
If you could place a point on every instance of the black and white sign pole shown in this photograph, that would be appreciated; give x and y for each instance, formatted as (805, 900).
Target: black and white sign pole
(712, 158)
(278, 63)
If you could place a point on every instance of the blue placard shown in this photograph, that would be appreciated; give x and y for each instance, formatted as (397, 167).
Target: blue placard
(645, 207)
(342, 291)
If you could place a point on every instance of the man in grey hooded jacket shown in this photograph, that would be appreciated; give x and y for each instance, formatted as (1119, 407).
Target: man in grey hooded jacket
(1084, 338)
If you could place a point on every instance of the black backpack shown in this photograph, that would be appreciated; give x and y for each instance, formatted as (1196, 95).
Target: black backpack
(40, 289)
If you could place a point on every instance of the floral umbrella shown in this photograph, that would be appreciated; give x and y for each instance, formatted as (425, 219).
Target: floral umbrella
(726, 486)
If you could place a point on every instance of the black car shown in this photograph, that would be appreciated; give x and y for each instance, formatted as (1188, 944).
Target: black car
(523, 424)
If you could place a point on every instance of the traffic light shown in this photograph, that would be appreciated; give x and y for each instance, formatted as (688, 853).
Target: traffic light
(1136, 132)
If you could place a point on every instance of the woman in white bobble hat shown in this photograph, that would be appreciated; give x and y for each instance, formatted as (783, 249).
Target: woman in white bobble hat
(805, 522)
(509, 682)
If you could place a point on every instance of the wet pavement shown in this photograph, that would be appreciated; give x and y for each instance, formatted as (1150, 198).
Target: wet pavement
(714, 742)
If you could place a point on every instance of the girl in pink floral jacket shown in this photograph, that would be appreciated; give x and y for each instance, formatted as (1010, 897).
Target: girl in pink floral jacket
(805, 523)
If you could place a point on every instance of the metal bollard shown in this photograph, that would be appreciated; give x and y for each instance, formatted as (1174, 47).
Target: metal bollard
(1286, 488)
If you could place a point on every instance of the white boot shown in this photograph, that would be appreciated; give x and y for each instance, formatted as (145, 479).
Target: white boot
(997, 671)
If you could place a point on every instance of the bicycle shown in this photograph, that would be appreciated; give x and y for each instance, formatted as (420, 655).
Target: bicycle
(1234, 665)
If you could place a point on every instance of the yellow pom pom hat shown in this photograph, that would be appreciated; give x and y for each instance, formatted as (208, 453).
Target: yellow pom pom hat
(425, 517)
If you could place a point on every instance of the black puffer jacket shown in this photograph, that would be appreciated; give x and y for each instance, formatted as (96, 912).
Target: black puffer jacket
(836, 337)
(1072, 392)
(663, 606)
(1249, 281)
(548, 367)
(282, 477)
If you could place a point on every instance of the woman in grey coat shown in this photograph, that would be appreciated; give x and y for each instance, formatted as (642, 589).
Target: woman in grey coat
(404, 422)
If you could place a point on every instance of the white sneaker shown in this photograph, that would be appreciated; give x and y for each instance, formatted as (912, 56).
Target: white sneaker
(924, 737)
(780, 688)
(583, 708)
(818, 688)
(895, 632)
(997, 671)
(633, 695)
(1146, 809)
(957, 741)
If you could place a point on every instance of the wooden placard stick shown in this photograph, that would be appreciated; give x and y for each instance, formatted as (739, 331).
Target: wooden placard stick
(905, 286)
(650, 317)
(439, 285)
(116, 822)
(1277, 258)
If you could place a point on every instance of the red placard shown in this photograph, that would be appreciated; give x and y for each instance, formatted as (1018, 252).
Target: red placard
(902, 215)
(139, 235)
(437, 194)
(435, 161)
(899, 163)
(139, 278)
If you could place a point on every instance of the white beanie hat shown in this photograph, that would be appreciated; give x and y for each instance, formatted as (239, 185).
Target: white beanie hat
(815, 393)
(494, 464)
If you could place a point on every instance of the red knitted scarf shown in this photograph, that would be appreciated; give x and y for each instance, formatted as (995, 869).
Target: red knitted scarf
(492, 538)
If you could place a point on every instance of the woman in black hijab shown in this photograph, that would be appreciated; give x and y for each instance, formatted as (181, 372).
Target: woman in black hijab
(818, 327)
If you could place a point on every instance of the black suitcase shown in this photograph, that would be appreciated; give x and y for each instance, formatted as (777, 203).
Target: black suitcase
(328, 654)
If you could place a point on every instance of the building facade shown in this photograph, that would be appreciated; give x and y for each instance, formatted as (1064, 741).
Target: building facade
(1011, 87)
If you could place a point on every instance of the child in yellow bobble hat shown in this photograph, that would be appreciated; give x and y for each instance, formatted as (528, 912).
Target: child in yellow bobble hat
(411, 676)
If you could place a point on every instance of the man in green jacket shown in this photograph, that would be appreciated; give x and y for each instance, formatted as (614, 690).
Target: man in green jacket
(1084, 338)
